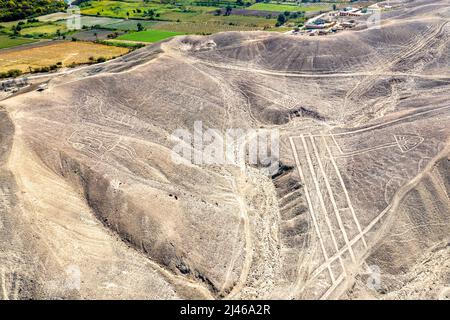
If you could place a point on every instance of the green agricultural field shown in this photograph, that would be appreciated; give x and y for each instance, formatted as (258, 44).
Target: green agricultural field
(287, 7)
(7, 42)
(129, 25)
(186, 16)
(183, 16)
(238, 20)
(119, 9)
(149, 35)
(202, 27)
(249, 21)
(180, 16)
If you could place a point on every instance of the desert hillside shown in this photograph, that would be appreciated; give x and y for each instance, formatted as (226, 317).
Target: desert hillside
(90, 191)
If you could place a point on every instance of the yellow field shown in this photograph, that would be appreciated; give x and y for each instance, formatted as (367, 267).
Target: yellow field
(65, 52)
(45, 29)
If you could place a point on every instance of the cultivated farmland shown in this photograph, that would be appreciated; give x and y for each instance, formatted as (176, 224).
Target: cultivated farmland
(129, 24)
(47, 29)
(67, 53)
(287, 7)
(202, 28)
(7, 42)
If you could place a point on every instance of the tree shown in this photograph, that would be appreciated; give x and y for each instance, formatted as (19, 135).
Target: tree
(16, 29)
(11, 10)
(151, 13)
(280, 20)
(140, 27)
(228, 10)
(240, 2)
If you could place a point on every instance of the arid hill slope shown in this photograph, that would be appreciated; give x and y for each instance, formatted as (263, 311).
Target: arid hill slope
(92, 204)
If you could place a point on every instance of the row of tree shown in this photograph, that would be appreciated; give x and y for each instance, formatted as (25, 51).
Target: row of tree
(11, 10)
(284, 17)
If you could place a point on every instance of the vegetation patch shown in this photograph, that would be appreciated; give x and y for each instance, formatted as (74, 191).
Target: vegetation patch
(287, 7)
(124, 9)
(149, 35)
(9, 42)
(11, 10)
(129, 25)
(203, 28)
(44, 30)
(123, 43)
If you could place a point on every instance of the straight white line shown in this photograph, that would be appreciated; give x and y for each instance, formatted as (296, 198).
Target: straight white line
(361, 151)
(333, 202)
(347, 197)
(330, 75)
(322, 203)
(332, 288)
(412, 184)
(335, 142)
(375, 126)
(308, 199)
(3, 284)
(352, 242)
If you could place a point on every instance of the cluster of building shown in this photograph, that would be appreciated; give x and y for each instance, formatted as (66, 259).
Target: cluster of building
(354, 12)
(13, 85)
(326, 24)
(342, 19)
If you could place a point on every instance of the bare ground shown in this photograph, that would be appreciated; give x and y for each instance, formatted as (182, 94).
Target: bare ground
(92, 205)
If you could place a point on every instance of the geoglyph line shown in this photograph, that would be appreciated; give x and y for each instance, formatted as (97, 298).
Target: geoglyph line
(336, 143)
(362, 151)
(378, 125)
(5, 295)
(333, 287)
(313, 216)
(333, 201)
(321, 201)
(344, 188)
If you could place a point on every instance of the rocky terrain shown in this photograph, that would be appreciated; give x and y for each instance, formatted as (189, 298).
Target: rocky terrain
(92, 205)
